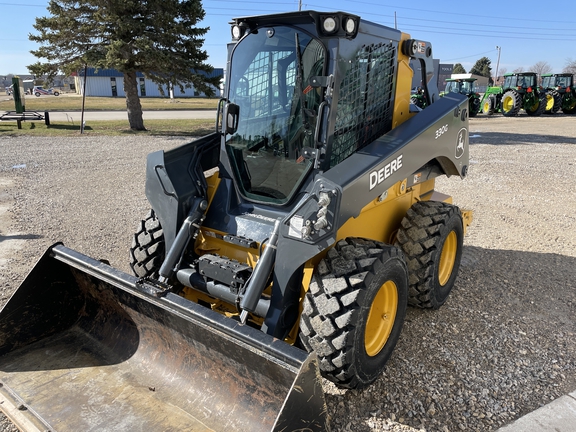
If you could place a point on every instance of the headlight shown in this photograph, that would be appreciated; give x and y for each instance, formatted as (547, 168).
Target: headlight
(338, 24)
(329, 25)
(237, 32)
(350, 26)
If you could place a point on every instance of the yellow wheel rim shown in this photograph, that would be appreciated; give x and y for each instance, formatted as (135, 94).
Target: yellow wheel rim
(447, 258)
(508, 104)
(549, 102)
(486, 106)
(381, 318)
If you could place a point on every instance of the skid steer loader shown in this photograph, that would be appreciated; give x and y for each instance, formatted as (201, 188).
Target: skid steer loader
(280, 249)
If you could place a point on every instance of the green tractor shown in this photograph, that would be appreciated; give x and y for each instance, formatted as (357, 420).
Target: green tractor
(418, 97)
(520, 91)
(464, 86)
(490, 102)
(560, 93)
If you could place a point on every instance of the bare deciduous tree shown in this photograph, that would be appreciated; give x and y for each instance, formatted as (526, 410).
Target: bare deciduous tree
(498, 79)
(541, 68)
(570, 66)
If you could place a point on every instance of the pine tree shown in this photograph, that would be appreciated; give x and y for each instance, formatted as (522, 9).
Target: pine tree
(482, 67)
(458, 69)
(159, 38)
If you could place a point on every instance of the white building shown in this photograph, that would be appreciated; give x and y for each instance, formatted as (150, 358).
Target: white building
(110, 82)
(480, 84)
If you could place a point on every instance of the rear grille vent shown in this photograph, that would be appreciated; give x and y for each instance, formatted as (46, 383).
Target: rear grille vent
(365, 105)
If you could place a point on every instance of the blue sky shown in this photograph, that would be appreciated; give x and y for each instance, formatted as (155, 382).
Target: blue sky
(460, 32)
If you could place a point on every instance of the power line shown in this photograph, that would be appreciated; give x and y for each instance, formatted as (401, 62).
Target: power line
(497, 36)
(441, 30)
(473, 55)
(482, 27)
(23, 4)
(250, 2)
(443, 12)
(503, 32)
(243, 9)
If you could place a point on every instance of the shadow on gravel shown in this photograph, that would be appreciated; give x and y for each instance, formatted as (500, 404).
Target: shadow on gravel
(191, 133)
(20, 237)
(500, 138)
(503, 345)
(68, 127)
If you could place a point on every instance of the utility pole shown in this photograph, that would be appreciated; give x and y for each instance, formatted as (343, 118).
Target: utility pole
(83, 97)
(299, 5)
(497, 63)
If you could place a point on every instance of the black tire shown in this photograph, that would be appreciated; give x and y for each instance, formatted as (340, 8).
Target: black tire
(553, 102)
(489, 105)
(567, 109)
(148, 247)
(354, 310)
(417, 101)
(474, 106)
(431, 237)
(37, 94)
(511, 103)
(56, 93)
(539, 108)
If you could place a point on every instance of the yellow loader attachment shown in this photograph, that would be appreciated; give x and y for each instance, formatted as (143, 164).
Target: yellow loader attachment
(85, 347)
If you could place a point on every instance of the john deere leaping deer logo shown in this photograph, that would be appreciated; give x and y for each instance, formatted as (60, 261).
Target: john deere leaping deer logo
(461, 142)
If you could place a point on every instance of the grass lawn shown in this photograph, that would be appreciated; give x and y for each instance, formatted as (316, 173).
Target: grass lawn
(73, 102)
(192, 128)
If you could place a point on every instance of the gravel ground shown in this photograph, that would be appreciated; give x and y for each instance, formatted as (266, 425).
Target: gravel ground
(503, 345)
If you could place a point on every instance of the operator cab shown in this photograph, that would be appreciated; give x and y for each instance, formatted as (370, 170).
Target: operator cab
(276, 108)
(303, 93)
